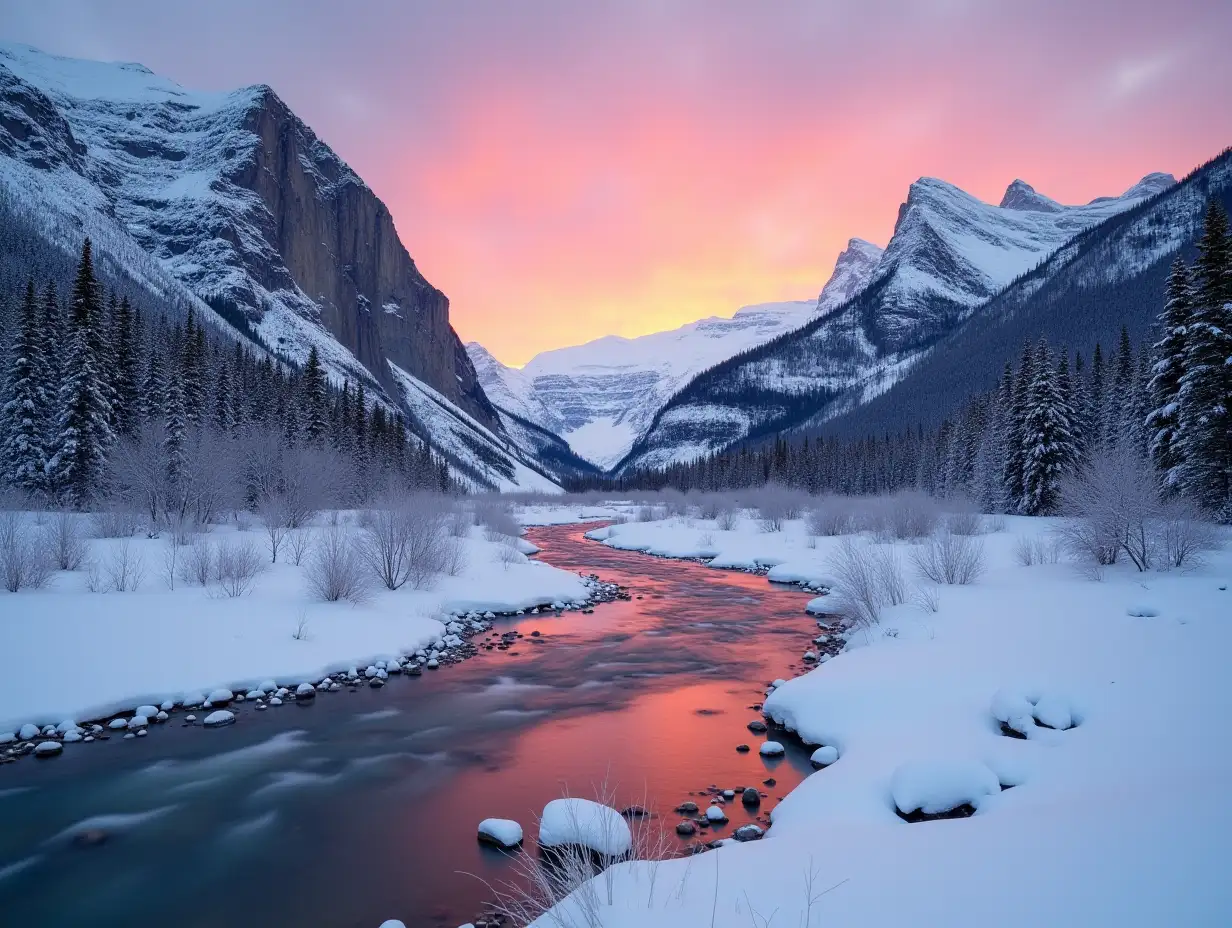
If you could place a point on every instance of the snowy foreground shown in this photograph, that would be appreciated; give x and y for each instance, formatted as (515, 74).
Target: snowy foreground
(72, 654)
(1122, 818)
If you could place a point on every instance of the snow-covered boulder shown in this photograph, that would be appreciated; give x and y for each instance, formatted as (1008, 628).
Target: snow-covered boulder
(7, 737)
(771, 749)
(747, 833)
(167, 705)
(148, 711)
(305, 691)
(193, 698)
(28, 732)
(218, 718)
(824, 756)
(938, 786)
(117, 724)
(138, 721)
(71, 737)
(66, 726)
(220, 696)
(586, 824)
(48, 748)
(715, 815)
(502, 832)
(1054, 712)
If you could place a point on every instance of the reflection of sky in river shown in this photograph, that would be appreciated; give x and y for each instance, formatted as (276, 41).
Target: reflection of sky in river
(364, 806)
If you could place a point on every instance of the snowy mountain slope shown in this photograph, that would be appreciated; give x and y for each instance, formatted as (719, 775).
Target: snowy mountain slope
(226, 199)
(1110, 276)
(511, 389)
(852, 272)
(949, 254)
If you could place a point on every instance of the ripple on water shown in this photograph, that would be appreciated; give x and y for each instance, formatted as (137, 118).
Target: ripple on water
(114, 822)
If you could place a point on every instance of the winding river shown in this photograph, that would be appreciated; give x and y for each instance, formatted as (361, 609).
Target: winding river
(363, 806)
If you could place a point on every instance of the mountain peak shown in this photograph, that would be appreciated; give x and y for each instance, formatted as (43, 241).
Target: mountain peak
(852, 272)
(1153, 183)
(1022, 196)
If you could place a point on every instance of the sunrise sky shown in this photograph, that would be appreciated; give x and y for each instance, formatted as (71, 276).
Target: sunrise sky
(566, 170)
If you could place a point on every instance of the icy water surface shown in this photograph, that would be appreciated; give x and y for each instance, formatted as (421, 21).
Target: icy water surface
(364, 805)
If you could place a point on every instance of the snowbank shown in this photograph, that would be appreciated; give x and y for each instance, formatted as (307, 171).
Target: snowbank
(115, 651)
(1121, 817)
(502, 832)
(586, 824)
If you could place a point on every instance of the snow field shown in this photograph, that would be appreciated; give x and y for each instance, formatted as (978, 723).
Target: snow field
(155, 645)
(1070, 802)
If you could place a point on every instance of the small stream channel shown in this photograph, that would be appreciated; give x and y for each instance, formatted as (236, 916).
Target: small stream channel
(363, 806)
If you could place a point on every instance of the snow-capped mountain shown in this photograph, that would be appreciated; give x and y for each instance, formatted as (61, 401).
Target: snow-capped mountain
(852, 272)
(950, 253)
(602, 396)
(230, 200)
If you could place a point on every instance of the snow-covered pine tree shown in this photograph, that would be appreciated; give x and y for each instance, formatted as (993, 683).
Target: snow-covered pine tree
(1015, 441)
(1048, 436)
(1118, 402)
(28, 402)
(175, 429)
(1204, 444)
(154, 384)
(1140, 406)
(313, 396)
(84, 432)
(223, 413)
(125, 364)
(1095, 392)
(1163, 422)
(192, 364)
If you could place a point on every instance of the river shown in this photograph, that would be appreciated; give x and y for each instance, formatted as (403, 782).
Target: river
(363, 806)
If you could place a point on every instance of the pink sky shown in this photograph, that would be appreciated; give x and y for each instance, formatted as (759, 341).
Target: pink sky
(566, 170)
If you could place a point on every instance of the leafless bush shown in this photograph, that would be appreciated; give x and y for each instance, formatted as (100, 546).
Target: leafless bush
(301, 627)
(948, 558)
(912, 515)
(1037, 549)
(24, 559)
(335, 568)
(963, 518)
(118, 522)
(507, 555)
(275, 514)
(458, 524)
(727, 518)
(453, 557)
(237, 566)
(646, 514)
(66, 540)
(928, 597)
(197, 561)
(1183, 534)
(94, 578)
(124, 567)
(994, 523)
(299, 542)
(831, 516)
(497, 518)
(1114, 508)
(405, 540)
(674, 503)
(870, 578)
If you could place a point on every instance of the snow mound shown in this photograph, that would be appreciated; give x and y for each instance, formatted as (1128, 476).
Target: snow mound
(770, 749)
(585, 823)
(937, 786)
(824, 756)
(500, 831)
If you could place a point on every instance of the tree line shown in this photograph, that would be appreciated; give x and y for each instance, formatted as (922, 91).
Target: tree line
(103, 405)
(1051, 414)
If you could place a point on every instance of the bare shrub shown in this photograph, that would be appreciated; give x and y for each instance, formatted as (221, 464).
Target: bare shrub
(124, 567)
(1037, 549)
(777, 504)
(674, 503)
(831, 516)
(928, 597)
(994, 523)
(275, 514)
(237, 566)
(299, 542)
(646, 514)
(301, 627)
(1184, 535)
(912, 515)
(870, 578)
(727, 518)
(453, 557)
(963, 518)
(66, 540)
(1114, 508)
(948, 558)
(335, 568)
(458, 524)
(24, 559)
(507, 555)
(197, 562)
(118, 522)
(405, 539)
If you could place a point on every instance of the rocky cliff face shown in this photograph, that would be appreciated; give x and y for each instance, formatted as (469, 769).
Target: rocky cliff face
(240, 200)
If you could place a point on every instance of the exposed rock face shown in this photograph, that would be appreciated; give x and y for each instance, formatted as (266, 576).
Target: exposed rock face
(238, 199)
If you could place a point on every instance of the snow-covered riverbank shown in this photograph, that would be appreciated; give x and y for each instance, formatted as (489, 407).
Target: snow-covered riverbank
(74, 654)
(1122, 818)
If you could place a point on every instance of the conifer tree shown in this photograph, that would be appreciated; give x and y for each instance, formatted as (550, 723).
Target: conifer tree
(1204, 444)
(28, 402)
(1163, 422)
(1015, 443)
(124, 365)
(315, 421)
(154, 386)
(84, 430)
(174, 431)
(1048, 435)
